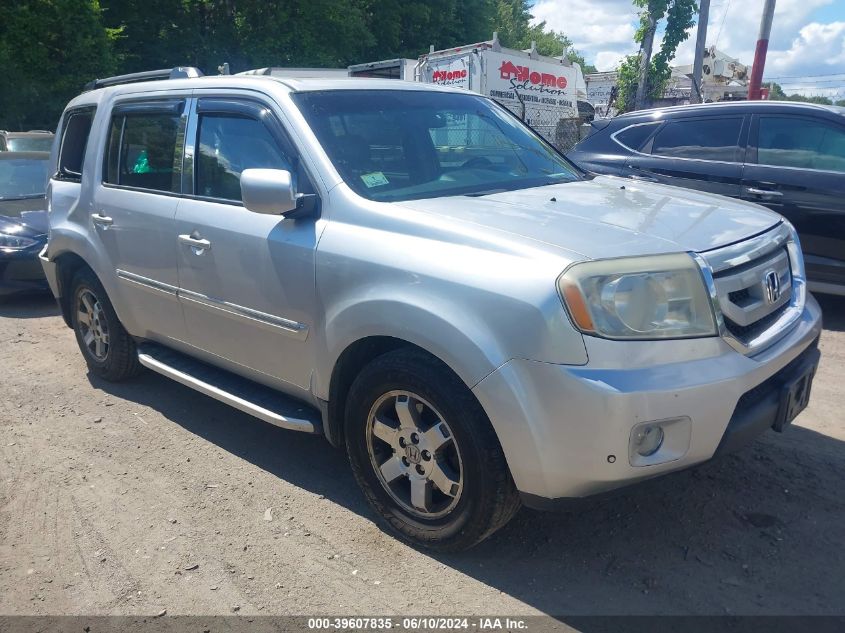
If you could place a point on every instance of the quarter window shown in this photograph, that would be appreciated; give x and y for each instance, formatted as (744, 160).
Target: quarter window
(142, 151)
(228, 145)
(704, 139)
(634, 137)
(802, 143)
(75, 134)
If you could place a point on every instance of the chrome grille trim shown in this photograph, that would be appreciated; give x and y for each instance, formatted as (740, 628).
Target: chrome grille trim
(716, 268)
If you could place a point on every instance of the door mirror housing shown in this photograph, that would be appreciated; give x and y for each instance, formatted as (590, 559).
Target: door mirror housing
(268, 191)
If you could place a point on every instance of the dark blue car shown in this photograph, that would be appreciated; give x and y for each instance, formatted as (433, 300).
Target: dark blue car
(787, 156)
(23, 221)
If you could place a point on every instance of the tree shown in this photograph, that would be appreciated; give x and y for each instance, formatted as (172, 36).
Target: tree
(643, 77)
(48, 50)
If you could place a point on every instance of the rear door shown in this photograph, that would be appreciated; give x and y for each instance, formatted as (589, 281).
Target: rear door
(134, 208)
(246, 280)
(703, 153)
(796, 167)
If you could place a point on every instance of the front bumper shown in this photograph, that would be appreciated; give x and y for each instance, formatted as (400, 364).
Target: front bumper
(20, 272)
(565, 430)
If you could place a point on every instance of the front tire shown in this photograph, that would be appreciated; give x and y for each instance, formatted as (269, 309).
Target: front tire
(106, 346)
(425, 454)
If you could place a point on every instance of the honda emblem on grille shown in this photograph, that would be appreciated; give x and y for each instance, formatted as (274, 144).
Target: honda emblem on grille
(771, 284)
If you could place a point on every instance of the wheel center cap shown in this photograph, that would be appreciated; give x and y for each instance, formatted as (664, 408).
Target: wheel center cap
(412, 453)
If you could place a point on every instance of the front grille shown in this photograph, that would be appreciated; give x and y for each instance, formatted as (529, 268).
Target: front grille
(745, 298)
(748, 332)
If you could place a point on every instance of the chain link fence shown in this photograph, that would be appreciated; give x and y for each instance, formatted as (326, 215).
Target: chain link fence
(552, 124)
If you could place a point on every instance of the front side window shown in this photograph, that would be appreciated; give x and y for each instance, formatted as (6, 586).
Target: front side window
(227, 145)
(393, 145)
(142, 151)
(802, 143)
(704, 139)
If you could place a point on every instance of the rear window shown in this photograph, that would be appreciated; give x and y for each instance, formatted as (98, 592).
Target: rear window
(42, 143)
(142, 152)
(704, 139)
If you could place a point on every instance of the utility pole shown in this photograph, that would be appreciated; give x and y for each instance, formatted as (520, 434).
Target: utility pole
(696, 95)
(760, 51)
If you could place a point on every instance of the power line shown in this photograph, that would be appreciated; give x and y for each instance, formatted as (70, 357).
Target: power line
(805, 76)
(724, 15)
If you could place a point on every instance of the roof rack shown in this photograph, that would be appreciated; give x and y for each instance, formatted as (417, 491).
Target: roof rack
(179, 72)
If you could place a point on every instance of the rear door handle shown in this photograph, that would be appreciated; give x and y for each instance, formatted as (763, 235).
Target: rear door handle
(199, 245)
(101, 220)
(764, 192)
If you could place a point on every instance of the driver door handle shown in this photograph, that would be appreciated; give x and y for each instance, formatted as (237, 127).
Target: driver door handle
(199, 245)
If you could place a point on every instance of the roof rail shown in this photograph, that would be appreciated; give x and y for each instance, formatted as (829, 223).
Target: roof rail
(179, 72)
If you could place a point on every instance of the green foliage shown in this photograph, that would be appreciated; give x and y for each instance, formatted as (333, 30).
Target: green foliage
(776, 93)
(50, 48)
(679, 16)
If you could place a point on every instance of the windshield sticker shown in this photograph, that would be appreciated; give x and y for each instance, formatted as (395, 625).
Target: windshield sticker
(375, 179)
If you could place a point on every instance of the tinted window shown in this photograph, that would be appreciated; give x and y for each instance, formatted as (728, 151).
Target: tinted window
(74, 140)
(796, 142)
(22, 178)
(142, 151)
(634, 137)
(228, 145)
(706, 139)
(406, 144)
(43, 143)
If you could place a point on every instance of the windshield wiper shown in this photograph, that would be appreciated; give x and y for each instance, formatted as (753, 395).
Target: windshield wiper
(486, 192)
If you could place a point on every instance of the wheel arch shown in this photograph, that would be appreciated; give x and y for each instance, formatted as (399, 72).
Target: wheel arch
(68, 263)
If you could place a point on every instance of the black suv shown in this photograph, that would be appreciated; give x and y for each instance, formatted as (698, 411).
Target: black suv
(787, 156)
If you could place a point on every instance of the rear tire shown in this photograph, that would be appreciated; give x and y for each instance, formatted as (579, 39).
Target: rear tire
(425, 454)
(106, 346)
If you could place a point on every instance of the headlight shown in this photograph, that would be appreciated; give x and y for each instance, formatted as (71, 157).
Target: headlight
(661, 296)
(15, 242)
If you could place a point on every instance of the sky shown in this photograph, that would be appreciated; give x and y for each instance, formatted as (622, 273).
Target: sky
(806, 49)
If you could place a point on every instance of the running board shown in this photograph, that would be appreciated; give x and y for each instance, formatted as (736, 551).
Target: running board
(241, 393)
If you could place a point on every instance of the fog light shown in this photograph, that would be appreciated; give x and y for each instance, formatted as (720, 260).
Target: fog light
(648, 439)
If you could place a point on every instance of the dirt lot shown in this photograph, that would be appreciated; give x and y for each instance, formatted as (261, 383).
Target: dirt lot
(144, 496)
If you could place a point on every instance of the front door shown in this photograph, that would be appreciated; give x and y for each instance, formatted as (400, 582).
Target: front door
(796, 167)
(246, 280)
(701, 153)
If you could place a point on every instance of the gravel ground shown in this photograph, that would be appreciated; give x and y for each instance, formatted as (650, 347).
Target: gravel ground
(145, 496)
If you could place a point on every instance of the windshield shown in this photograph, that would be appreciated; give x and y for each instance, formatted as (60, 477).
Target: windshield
(22, 178)
(30, 143)
(393, 145)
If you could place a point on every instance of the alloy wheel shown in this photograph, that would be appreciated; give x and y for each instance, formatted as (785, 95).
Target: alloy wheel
(414, 454)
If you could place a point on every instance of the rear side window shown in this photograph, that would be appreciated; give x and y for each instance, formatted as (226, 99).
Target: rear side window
(228, 145)
(75, 134)
(635, 136)
(801, 143)
(705, 139)
(142, 151)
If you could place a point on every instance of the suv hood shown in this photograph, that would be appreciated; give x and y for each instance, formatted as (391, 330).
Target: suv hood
(610, 217)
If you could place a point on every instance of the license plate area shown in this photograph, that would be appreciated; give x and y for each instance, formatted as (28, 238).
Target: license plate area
(795, 396)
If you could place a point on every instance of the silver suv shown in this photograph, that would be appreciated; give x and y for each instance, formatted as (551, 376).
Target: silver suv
(413, 273)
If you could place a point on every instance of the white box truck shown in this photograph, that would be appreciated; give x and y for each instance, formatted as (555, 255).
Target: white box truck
(543, 91)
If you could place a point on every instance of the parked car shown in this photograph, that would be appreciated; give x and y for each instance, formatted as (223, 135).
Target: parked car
(23, 221)
(411, 272)
(787, 156)
(32, 141)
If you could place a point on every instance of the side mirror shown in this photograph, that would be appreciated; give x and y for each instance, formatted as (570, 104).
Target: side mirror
(268, 191)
